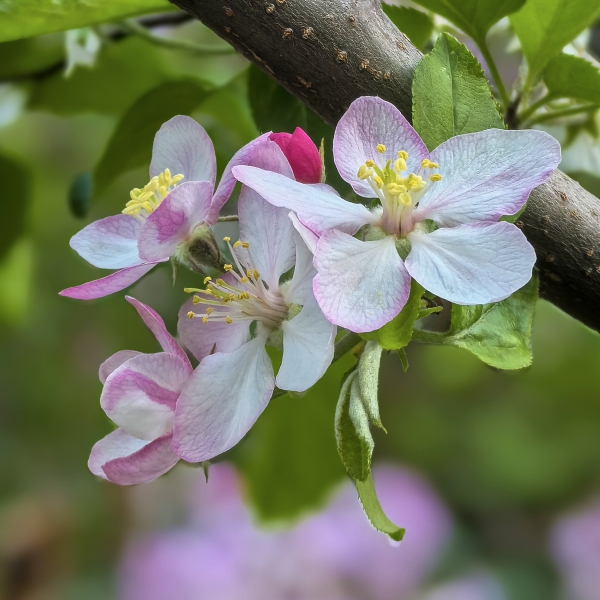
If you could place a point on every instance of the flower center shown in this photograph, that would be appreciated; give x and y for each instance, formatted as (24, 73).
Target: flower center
(398, 190)
(248, 299)
(146, 200)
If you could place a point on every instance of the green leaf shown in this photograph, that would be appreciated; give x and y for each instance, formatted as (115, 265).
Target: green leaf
(273, 107)
(354, 440)
(16, 190)
(416, 25)
(568, 76)
(499, 333)
(451, 95)
(544, 27)
(289, 459)
(368, 380)
(26, 18)
(131, 143)
(377, 518)
(474, 17)
(80, 194)
(398, 332)
(22, 57)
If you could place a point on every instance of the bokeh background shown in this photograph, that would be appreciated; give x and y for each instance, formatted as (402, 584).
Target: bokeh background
(495, 475)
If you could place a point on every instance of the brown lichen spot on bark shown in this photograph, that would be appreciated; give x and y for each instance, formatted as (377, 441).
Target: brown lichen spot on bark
(554, 277)
(597, 270)
(307, 33)
(352, 20)
(288, 32)
(589, 253)
(306, 84)
(550, 258)
(227, 29)
(341, 55)
(520, 224)
(588, 272)
(563, 196)
(574, 214)
(365, 65)
(228, 11)
(401, 46)
(546, 218)
(281, 2)
(387, 75)
(270, 9)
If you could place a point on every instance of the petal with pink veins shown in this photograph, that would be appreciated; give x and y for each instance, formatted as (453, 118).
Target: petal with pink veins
(156, 325)
(486, 175)
(368, 122)
(125, 460)
(140, 396)
(317, 208)
(310, 237)
(359, 285)
(114, 362)
(308, 344)
(299, 289)
(471, 264)
(109, 243)
(182, 146)
(174, 220)
(222, 400)
(115, 282)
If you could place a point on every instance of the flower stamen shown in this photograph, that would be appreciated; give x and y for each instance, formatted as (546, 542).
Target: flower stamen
(146, 200)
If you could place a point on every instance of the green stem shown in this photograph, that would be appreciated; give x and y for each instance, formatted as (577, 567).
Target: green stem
(494, 71)
(526, 113)
(135, 28)
(228, 218)
(567, 112)
(428, 337)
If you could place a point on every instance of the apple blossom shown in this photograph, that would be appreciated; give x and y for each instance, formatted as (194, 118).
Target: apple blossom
(437, 218)
(171, 216)
(234, 380)
(140, 393)
(302, 154)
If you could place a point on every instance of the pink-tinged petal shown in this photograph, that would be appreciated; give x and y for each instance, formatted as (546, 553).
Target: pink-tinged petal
(174, 220)
(222, 400)
(368, 122)
(115, 282)
(265, 227)
(300, 287)
(309, 237)
(109, 243)
(228, 181)
(486, 175)
(302, 154)
(157, 326)
(140, 396)
(182, 146)
(359, 285)
(308, 344)
(318, 209)
(201, 339)
(471, 264)
(114, 362)
(125, 460)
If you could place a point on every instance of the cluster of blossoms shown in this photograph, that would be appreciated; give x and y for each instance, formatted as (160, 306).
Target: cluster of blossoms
(307, 261)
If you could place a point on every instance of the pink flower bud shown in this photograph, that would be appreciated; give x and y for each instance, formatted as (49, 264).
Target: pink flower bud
(301, 153)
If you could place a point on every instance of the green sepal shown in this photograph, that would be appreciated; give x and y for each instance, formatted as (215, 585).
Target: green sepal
(403, 359)
(568, 76)
(370, 503)
(368, 381)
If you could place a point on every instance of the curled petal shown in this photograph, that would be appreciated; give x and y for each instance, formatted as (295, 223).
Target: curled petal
(109, 243)
(222, 400)
(302, 154)
(114, 362)
(359, 285)
(486, 175)
(368, 122)
(115, 282)
(475, 263)
(182, 146)
(174, 220)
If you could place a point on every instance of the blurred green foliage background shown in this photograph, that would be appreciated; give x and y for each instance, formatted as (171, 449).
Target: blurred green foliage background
(507, 451)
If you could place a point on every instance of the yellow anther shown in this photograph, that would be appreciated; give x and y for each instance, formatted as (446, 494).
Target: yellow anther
(400, 165)
(378, 181)
(207, 279)
(380, 148)
(231, 297)
(228, 320)
(370, 162)
(241, 296)
(196, 300)
(245, 245)
(205, 319)
(244, 280)
(256, 274)
(435, 177)
(364, 172)
(209, 310)
(227, 268)
(237, 244)
(190, 315)
(249, 273)
(220, 282)
(191, 290)
(403, 154)
(226, 239)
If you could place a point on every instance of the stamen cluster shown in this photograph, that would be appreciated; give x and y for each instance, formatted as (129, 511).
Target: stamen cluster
(149, 198)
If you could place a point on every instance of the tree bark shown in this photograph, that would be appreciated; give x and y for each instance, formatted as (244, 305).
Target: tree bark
(329, 52)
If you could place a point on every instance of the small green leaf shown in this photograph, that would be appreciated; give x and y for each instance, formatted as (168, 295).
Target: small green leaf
(26, 18)
(354, 440)
(377, 518)
(80, 195)
(35, 55)
(474, 17)
(544, 27)
(568, 76)
(451, 95)
(398, 332)
(416, 25)
(16, 191)
(131, 143)
(368, 380)
(273, 107)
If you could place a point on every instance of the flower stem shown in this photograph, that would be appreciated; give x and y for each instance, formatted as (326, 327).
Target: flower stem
(566, 112)
(228, 218)
(526, 113)
(135, 28)
(487, 55)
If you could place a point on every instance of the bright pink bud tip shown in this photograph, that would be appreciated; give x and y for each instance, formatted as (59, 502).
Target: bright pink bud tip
(301, 153)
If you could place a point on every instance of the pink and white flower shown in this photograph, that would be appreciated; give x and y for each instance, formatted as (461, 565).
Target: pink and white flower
(235, 380)
(140, 394)
(169, 217)
(437, 220)
(302, 154)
